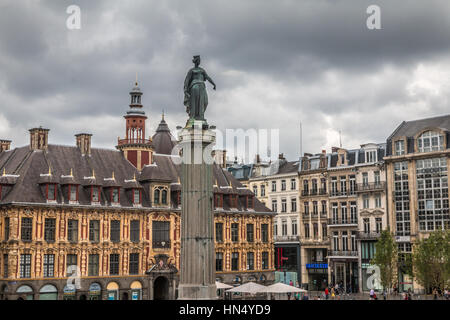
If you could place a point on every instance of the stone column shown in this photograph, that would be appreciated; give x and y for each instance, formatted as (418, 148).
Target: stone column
(197, 268)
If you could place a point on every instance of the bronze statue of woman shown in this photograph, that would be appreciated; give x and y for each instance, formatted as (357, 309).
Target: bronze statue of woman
(195, 95)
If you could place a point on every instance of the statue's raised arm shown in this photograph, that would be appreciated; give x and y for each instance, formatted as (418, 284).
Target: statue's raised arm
(195, 95)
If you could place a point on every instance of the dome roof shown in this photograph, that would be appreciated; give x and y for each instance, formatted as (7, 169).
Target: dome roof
(163, 141)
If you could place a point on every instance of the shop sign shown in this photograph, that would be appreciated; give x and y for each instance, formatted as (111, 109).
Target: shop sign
(403, 238)
(317, 266)
(135, 295)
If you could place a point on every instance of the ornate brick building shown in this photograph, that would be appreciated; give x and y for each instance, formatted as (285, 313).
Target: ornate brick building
(113, 217)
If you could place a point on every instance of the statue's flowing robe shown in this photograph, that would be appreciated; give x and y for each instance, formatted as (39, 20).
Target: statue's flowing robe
(195, 95)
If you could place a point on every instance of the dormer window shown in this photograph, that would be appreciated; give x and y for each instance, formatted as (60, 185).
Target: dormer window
(250, 202)
(156, 195)
(399, 147)
(430, 141)
(136, 196)
(164, 197)
(73, 192)
(115, 197)
(95, 195)
(160, 196)
(51, 192)
(371, 156)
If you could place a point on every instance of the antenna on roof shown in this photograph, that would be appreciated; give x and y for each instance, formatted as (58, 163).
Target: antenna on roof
(340, 139)
(136, 79)
(301, 140)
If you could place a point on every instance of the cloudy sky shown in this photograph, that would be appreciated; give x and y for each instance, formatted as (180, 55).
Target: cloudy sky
(275, 63)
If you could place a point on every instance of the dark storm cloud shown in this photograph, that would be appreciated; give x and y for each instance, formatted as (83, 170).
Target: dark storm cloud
(275, 63)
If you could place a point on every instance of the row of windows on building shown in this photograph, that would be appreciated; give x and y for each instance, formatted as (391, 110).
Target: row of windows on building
(341, 242)
(48, 265)
(262, 187)
(284, 205)
(432, 195)
(235, 261)
(95, 193)
(161, 231)
(250, 232)
(339, 187)
(307, 229)
(428, 141)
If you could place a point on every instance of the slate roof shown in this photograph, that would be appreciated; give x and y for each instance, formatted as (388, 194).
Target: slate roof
(27, 175)
(409, 129)
(163, 141)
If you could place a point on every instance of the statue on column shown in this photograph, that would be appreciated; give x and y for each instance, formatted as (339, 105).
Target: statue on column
(195, 95)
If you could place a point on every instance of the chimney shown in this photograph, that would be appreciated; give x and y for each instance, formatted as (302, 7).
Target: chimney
(5, 145)
(39, 138)
(84, 143)
(220, 157)
(334, 149)
(281, 156)
(258, 159)
(324, 151)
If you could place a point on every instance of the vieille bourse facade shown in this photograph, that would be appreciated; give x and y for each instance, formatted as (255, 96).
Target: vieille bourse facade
(115, 215)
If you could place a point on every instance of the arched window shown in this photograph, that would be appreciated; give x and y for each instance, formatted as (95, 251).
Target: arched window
(430, 141)
(156, 196)
(164, 197)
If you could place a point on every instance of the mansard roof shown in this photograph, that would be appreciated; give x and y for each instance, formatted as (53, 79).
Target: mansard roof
(411, 128)
(26, 170)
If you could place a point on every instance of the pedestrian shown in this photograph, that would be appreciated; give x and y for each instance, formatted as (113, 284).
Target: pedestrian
(332, 293)
(446, 293)
(291, 283)
(326, 293)
(371, 293)
(435, 295)
(375, 296)
(384, 294)
(305, 296)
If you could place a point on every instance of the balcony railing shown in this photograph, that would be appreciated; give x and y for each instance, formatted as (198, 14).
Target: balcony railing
(340, 221)
(344, 253)
(133, 141)
(343, 193)
(367, 235)
(323, 214)
(314, 192)
(286, 238)
(372, 186)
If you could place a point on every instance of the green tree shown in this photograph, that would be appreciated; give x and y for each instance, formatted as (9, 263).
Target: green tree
(386, 259)
(431, 260)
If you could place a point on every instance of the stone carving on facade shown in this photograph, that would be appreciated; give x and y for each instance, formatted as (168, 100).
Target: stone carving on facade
(162, 262)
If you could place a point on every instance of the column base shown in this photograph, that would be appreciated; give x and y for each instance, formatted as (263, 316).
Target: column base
(197, 292)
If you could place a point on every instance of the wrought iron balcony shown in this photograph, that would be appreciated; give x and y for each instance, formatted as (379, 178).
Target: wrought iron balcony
(372, 186)
(341, 221)
(367, 235)
(340, 253)
(133, 141)
(286, 238)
